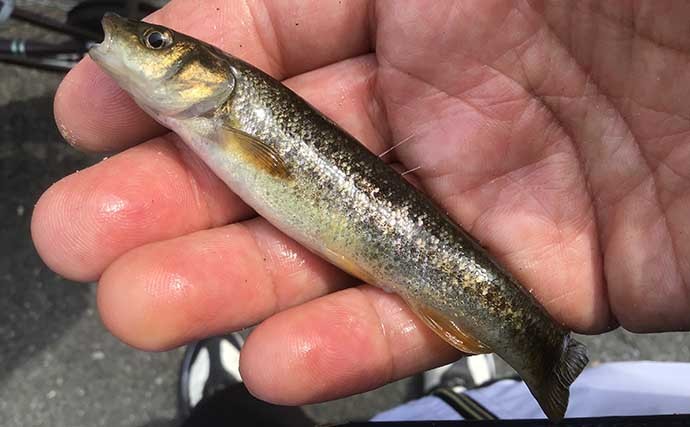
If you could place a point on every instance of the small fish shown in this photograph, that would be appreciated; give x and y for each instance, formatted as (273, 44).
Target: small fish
(320, 186)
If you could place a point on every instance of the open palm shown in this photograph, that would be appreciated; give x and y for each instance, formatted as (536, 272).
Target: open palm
(556, 132)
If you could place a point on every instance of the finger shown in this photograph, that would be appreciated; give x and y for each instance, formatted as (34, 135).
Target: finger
(154, 191)
(160, 190)
(106, 119)
(284, 38)
(344, 343)
(165, 294)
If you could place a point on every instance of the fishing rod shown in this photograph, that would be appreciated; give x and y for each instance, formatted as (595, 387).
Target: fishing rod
(46, 22)
(33, 47)
(82, 20)
(47, 63)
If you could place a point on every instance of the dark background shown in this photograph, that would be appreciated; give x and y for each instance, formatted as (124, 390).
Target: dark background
(58, 365)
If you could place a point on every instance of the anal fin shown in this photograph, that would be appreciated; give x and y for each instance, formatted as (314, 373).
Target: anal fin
(447, 329)
(347, 265)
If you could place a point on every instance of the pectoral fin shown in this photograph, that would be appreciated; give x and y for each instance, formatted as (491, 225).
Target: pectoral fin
(259, 153)
(447, 329)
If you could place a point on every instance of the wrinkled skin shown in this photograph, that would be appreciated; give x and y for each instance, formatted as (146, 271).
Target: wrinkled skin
(556, 132)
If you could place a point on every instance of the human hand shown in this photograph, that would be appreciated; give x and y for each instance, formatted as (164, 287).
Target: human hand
(554, 132)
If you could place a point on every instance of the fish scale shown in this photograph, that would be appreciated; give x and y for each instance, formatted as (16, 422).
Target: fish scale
(319, 185)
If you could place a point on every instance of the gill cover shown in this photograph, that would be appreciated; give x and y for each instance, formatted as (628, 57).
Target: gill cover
(166, 72)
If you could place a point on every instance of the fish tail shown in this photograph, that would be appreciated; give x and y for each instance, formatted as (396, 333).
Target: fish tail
(552, 390)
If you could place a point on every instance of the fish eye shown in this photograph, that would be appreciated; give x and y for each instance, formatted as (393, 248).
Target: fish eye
(156, 39)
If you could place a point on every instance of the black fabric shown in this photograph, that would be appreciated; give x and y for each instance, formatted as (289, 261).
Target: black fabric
(464, 405)
(641, 421)
(235, 406)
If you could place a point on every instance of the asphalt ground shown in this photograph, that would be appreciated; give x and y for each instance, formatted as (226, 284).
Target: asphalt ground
(59, 366)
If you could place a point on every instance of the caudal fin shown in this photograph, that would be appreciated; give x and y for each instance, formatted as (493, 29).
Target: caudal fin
(553, 392)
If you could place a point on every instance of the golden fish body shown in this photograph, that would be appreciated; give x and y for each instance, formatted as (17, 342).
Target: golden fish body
(320, 186)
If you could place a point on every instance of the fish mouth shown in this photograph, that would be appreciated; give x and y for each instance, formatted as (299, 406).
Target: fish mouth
(109, 22)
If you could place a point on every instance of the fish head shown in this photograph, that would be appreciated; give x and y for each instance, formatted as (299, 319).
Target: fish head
(166, 72)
